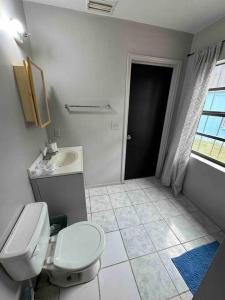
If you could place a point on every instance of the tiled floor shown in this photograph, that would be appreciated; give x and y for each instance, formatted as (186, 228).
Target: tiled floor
(145, 227)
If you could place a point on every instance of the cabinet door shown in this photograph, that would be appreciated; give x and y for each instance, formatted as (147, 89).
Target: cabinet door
(64, 195)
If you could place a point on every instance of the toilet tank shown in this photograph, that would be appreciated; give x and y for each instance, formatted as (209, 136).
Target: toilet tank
(25, 249)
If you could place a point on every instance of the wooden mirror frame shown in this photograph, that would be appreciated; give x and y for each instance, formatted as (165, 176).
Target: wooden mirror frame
(32, 85)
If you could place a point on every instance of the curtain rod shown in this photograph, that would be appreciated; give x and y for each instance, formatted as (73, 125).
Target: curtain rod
(192, 53)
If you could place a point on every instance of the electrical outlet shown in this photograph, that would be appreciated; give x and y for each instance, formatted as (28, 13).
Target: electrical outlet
(57, 132)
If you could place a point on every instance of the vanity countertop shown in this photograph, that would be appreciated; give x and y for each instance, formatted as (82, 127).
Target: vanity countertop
(68, 160)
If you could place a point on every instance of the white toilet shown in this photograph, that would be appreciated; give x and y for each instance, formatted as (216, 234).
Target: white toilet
(70, 258)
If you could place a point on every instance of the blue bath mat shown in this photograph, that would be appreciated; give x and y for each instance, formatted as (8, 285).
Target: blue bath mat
(194, 264)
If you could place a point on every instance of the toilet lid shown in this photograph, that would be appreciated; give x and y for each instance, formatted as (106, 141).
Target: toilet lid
(79, 245)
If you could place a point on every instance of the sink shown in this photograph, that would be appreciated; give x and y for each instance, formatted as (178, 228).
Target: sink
(68, 160)
(64, 158)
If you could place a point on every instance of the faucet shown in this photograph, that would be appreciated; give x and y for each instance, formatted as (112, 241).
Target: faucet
(47, 154)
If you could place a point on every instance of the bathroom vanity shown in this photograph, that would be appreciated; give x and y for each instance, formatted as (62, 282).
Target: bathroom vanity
(60, 183)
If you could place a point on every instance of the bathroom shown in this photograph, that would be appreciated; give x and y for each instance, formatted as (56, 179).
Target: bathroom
(87, 60)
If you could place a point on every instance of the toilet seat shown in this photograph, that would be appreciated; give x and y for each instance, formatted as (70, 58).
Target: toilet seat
(78, 246)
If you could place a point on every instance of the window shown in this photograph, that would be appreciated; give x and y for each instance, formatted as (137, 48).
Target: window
(209, 141)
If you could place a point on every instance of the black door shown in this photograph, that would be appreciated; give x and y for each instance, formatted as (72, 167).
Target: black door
(149, 91)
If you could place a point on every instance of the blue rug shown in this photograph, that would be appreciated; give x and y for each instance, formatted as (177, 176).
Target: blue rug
(194, 264)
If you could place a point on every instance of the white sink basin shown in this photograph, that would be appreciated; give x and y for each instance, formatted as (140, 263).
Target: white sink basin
(64, 158)
(69, 160)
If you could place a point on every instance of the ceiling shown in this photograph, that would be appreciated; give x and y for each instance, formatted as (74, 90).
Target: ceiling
(184, 15)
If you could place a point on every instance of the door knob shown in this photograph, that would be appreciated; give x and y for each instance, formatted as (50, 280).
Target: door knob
(129, 137)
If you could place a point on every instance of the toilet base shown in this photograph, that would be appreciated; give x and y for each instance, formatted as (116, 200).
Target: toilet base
(63, 278)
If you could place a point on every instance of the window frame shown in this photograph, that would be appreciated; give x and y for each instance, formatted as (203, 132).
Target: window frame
(216, 114)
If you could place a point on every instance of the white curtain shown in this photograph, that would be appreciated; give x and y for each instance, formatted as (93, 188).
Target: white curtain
(199, 69)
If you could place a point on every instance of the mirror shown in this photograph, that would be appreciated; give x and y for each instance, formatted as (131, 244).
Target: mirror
(39, 93)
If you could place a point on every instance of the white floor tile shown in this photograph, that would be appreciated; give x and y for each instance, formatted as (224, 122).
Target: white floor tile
(218, 236)
(155, 194)
(167, 191)
(147, 212)
(188, 227)
(117, 283)
(161, 235)
(155, 181)
(195, 243)
(186, 296)
(126, 217)
(114, 252)
(87, 291)
(119, 200)
(138, 197)
(145, 182)
(131, 185)
(205, 222)
(185, 228)
(166, 256)
(152, 278)
(181, 202)
(167, 209)
(151, 194)
(106, 219)
(99, 203)
(137, 241)
(117, 188)
(98, 191)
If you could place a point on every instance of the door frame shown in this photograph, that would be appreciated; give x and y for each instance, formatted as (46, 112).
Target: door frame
(153, 61)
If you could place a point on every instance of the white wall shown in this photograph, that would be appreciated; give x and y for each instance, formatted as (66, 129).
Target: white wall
(85, 59)
(19, 143)
(204, 184)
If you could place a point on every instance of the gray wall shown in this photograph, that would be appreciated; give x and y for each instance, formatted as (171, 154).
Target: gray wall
(204, 184)
(209, 35)
(19, 143)
(85, 58)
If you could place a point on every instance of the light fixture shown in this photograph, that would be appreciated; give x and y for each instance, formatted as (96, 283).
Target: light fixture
(16, 30)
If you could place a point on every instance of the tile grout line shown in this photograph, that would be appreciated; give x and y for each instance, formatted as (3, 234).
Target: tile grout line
(99, 291)
(169, 274)
(180, 242)
(144, 256)
(129, 260)
(208, 233)
(130, 265)
(157, 251)
(127, 253)
(163, 219)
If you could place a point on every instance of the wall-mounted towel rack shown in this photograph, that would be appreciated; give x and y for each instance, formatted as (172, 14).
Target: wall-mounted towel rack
(89, 109)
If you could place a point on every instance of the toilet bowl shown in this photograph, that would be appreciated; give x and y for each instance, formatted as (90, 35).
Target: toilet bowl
(72, 257)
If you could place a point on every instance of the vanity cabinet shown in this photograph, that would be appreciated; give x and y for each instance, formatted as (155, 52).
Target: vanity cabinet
(64, 194)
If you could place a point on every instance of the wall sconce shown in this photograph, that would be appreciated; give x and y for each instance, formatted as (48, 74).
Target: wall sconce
(17, 31)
